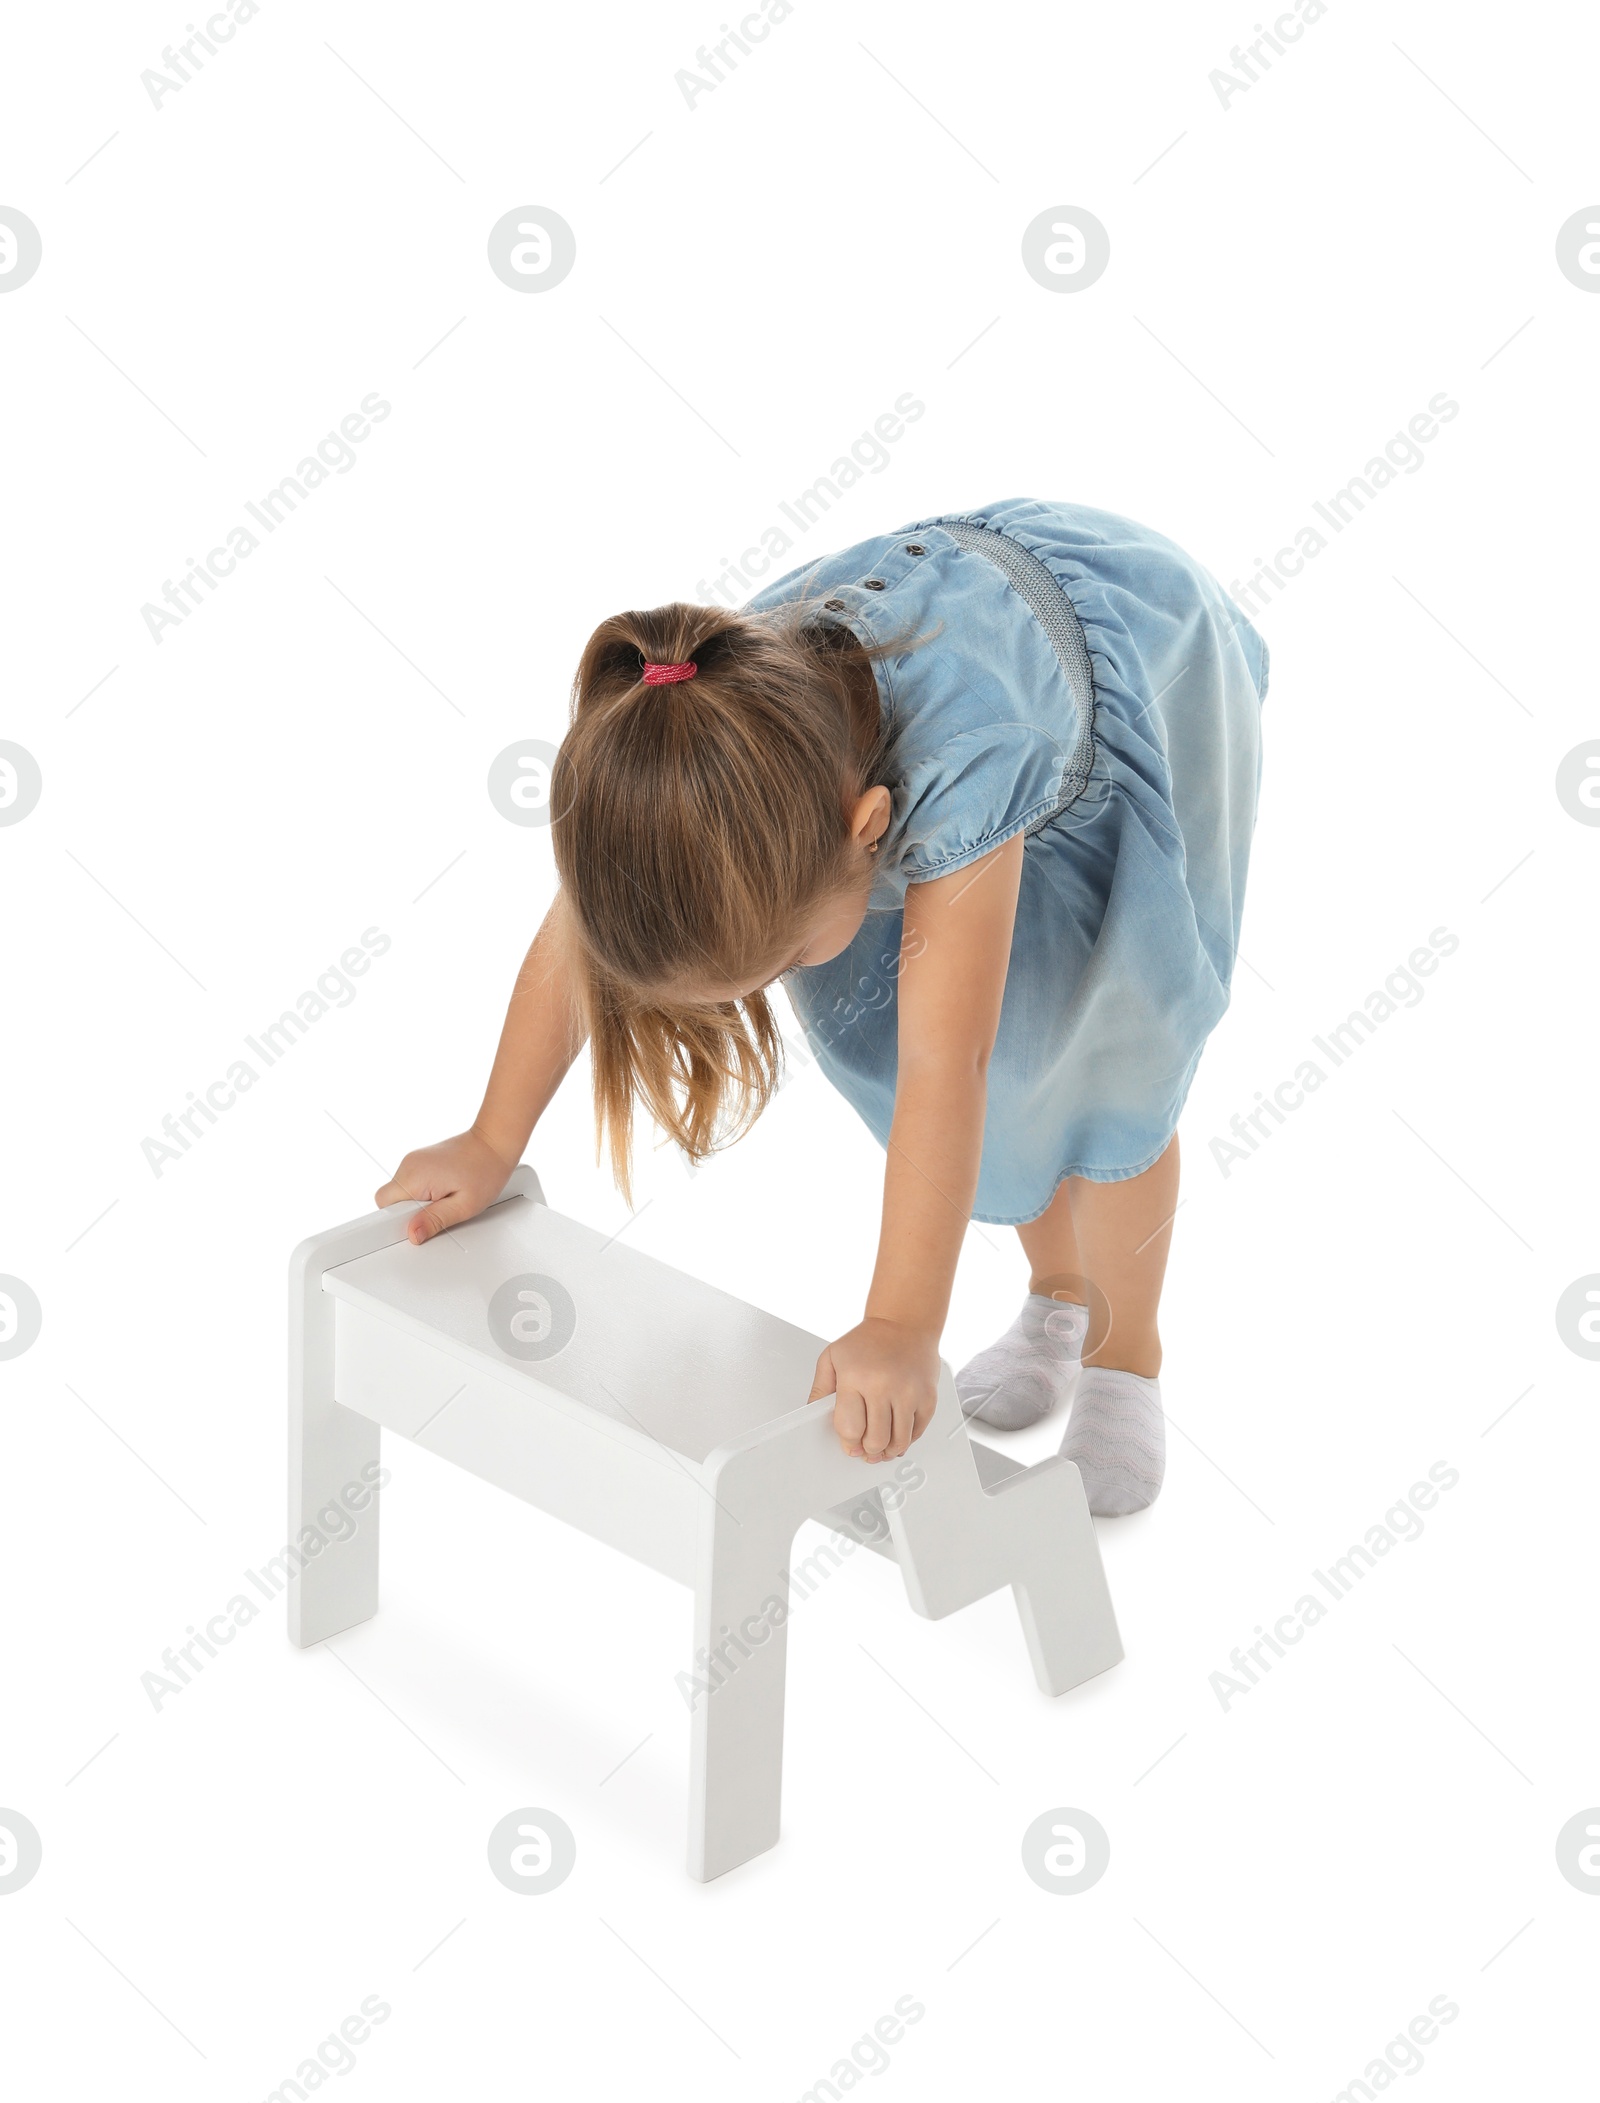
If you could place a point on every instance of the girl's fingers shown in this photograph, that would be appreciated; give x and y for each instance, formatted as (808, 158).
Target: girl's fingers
(909, 1419)
(877, 1423)
(849, 1421)
(447, 1211)
(880, 1426)
(905, 1426)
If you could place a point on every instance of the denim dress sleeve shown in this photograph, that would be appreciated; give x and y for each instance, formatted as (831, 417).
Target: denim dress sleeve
(960, 793)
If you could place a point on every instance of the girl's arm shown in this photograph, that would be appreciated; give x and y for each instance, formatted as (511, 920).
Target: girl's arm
(955, 948)
(542, 1036)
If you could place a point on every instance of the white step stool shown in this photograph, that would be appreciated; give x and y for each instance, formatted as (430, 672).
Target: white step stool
(672, 1423)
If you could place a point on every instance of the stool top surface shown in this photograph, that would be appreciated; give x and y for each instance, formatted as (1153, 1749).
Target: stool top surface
(525, 1288)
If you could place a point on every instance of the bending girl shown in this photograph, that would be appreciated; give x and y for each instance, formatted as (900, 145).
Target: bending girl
(981, 794)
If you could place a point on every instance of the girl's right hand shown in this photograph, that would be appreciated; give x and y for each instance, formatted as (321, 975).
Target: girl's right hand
(456, 1178)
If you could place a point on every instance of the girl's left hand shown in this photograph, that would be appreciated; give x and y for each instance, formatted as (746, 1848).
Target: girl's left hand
(884, 1378)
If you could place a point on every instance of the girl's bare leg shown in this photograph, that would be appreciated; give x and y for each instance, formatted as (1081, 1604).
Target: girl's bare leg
(1105, 1245)
(1113, 1237)
(1102, 1246)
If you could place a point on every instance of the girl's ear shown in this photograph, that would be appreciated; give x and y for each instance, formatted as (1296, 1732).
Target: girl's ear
(868, 818)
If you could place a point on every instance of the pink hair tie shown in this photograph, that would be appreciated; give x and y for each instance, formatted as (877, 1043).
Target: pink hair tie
(667, 674)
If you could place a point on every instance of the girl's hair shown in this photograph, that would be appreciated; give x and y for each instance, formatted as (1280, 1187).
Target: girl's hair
(697, 828)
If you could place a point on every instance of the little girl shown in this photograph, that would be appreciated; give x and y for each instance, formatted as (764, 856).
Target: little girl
(981, 794)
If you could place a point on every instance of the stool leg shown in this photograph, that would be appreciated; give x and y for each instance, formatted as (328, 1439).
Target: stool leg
(736, 1689)
(333, 1477)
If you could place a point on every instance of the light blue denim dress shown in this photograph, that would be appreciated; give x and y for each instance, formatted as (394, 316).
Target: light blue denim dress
(1088, 685)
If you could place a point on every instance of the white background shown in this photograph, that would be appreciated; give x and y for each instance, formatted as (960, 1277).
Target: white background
(1371, 1293)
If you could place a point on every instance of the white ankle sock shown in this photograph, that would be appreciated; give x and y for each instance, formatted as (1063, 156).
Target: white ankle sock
(1118, 1437)
(1026, 1372)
